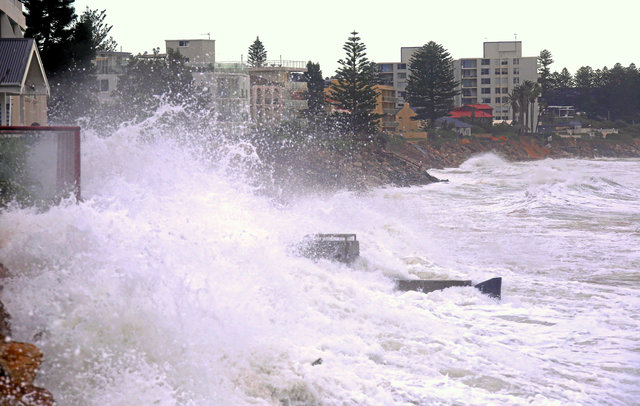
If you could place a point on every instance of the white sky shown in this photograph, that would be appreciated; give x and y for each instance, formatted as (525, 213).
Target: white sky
(577, 32)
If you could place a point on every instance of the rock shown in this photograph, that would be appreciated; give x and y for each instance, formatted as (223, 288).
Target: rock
(20, 361)
(5, 323)
(12, 394)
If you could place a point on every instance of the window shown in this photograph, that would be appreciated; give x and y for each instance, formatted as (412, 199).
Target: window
(497, 100)
(469, 83)
(505, 90)
(497, 71)
(496, 61)
(497, 90)
(486, 90)
(485, 81)
(505, 71)
(486, 61)
(402, 75)
(506, 108)
(401, 66)
(484, 71)
(385, 67)
(468, 63)
(504, 62)
(183, 43)
(516, 61)
(516, 71)
(516, 81)
(104, 85)
(486, 99)
(504, 81)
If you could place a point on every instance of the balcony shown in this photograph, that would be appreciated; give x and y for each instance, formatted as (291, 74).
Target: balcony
(469, 73)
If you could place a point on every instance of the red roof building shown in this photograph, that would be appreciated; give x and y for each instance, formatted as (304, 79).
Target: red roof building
(473, 111)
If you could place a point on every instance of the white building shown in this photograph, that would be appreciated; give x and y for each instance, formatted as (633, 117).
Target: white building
(490, 79)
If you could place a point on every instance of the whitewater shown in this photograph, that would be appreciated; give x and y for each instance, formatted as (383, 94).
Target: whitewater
(175, 283)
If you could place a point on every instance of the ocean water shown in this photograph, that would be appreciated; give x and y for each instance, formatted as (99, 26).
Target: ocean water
(174, 283)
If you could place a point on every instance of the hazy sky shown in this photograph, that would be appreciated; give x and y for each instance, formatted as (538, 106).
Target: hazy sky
(577, 32)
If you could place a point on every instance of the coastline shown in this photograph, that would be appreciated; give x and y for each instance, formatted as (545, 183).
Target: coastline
(402, 164)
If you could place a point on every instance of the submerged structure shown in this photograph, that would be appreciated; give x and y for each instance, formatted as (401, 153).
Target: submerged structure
(337, 247)
(491, 287)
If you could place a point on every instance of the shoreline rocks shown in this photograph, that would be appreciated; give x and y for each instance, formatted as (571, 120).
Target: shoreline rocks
(19, 365)
(400, 164)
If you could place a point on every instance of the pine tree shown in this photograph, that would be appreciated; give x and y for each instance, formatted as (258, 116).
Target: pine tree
(431, 85)
(50, 23)
(315, 88)
(545, 59)
(354, 90)
(257, 54)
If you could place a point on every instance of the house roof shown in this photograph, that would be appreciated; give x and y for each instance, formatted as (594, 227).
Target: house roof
(469, 113)
(477, 107)
(475, 110)
(453, 121)
(17, 59)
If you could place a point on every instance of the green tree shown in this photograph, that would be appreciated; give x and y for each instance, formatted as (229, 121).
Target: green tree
(73, 92)
(431, 86)
(562, 80)
(585, 77)
(545, 59)
(50, 23)
(257, 54)
(534, 91)
(315, 88)
(522, 99)
(153, 80)
(99, 39)
(354, 90)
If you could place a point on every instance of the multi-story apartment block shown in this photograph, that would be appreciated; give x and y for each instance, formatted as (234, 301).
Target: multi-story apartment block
(109, 67)
(277, 90)
(199, 53)
(490, 79)
(386, 107)
(23, 83)
(229, 84)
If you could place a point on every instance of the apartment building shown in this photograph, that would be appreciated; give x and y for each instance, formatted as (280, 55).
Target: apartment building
(229, 84)
(490, 79)
(23, 83)
(386, 107)
(277, 91)
(109, 67)
(199, 53)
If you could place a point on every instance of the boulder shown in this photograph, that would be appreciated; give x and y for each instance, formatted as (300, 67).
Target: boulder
(20, 361)
(12, 394)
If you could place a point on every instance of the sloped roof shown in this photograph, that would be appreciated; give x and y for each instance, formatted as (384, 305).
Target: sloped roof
(14, 57)
(453, 121)
(17, 56)
(468, 113)
(475, 106)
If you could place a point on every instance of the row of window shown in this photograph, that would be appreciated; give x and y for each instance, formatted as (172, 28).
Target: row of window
(388, 67)
(485, 62)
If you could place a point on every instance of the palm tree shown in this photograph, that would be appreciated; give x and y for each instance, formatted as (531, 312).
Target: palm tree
(519, 103)
(535, 92)
(523, 98)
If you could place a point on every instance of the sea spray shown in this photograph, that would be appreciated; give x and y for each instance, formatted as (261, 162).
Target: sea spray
(173, 283)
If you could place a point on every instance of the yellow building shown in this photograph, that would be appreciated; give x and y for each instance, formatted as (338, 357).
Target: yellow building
(410, 129)
(386, 107)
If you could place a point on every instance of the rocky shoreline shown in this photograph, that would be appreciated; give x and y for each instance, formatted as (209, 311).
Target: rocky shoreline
(402, 164)
(19, 365)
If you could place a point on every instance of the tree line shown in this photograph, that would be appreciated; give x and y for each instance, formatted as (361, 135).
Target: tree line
(603, 94)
